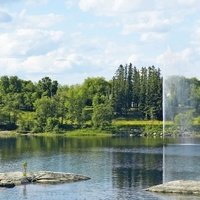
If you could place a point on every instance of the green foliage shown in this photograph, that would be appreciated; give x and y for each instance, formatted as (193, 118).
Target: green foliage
(47, 87)
(52, 125)
(18, 95)
(24, 167)
(87, 113)
(183, 121)
(92, 87)
(125, 122)
(46, 106)
(88, 132)
(137, 90)
(46, 111)
(152, 130)
(4, 83)
(26, 122)
(75, 104)
(102, 112)
(119, 91)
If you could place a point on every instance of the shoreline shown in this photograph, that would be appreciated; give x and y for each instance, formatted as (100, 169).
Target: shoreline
(122, 128)
(74, 133)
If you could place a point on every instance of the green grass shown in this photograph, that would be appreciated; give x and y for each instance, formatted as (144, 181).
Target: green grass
(196, 121)
(5, 134)
(47, 134)
(88, 133)
(139, 122)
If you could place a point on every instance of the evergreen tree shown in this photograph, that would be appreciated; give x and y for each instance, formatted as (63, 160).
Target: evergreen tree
(142, 106)
(119, 91)
(136, 88)
(130, 86)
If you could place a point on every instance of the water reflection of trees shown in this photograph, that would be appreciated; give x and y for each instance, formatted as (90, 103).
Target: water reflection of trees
(12, 148)
(136, 169)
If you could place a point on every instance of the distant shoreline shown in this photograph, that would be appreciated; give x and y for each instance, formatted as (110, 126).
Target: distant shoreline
(123, 127)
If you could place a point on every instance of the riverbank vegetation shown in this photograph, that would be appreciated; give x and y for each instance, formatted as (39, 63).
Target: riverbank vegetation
(132, 99)
(47, 106)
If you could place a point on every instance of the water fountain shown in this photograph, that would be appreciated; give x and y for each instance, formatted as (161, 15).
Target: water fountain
(181, 160)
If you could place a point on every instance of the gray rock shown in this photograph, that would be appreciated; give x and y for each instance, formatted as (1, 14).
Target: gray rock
(57, 177)
(179, 186)
(7, 184)
(10, 179)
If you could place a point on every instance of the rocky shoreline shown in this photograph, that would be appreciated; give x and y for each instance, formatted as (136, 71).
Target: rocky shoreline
(178, 186)
(11, 179)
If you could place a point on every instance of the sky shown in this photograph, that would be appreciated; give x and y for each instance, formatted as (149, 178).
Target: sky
(70, 40)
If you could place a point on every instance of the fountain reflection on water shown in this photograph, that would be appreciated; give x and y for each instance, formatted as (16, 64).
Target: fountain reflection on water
(181, 160)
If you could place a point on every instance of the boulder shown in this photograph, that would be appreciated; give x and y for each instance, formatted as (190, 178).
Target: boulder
(10, 179)
(57, 177)
(179, 186)
(7, 184)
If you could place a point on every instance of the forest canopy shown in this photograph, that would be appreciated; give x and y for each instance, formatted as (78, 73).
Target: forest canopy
(47, 106)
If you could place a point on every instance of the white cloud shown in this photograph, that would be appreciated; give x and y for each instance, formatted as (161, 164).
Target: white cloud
(174, 57)
(9, 66)
(7, 1)
(54, 62)
(23, 19)
(179, 63)
(70, 3)
(129, 5)
(83, 56)
(36, 2)
(23, 42)
(87, 5)
(116, 53)
(195, 38)
(112, 32)
(99, 25)
(47, 63)
(190, 3)
(142, 15)
(38, 21)
(152, 20)
(36, 33)
(148, 22)
(152, 37)
(134, 59)
(112, 7)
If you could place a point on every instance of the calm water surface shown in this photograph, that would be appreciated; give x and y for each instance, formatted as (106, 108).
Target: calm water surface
(120, 168)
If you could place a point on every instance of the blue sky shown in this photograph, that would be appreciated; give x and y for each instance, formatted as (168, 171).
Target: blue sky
(70, 40)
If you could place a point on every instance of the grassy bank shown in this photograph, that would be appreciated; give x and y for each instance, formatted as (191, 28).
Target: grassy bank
(121, 127)
(140, 127)
(88, 132)
(4, 134)
(125, 122)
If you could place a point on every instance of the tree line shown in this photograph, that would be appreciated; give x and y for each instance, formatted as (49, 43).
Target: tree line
(137, 93)
(47, 106)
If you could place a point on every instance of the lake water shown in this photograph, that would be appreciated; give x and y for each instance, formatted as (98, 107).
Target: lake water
(120, 168)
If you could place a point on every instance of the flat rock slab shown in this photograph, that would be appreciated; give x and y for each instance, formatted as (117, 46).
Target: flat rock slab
(10, 179)
(179, 186)
(57, 177)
